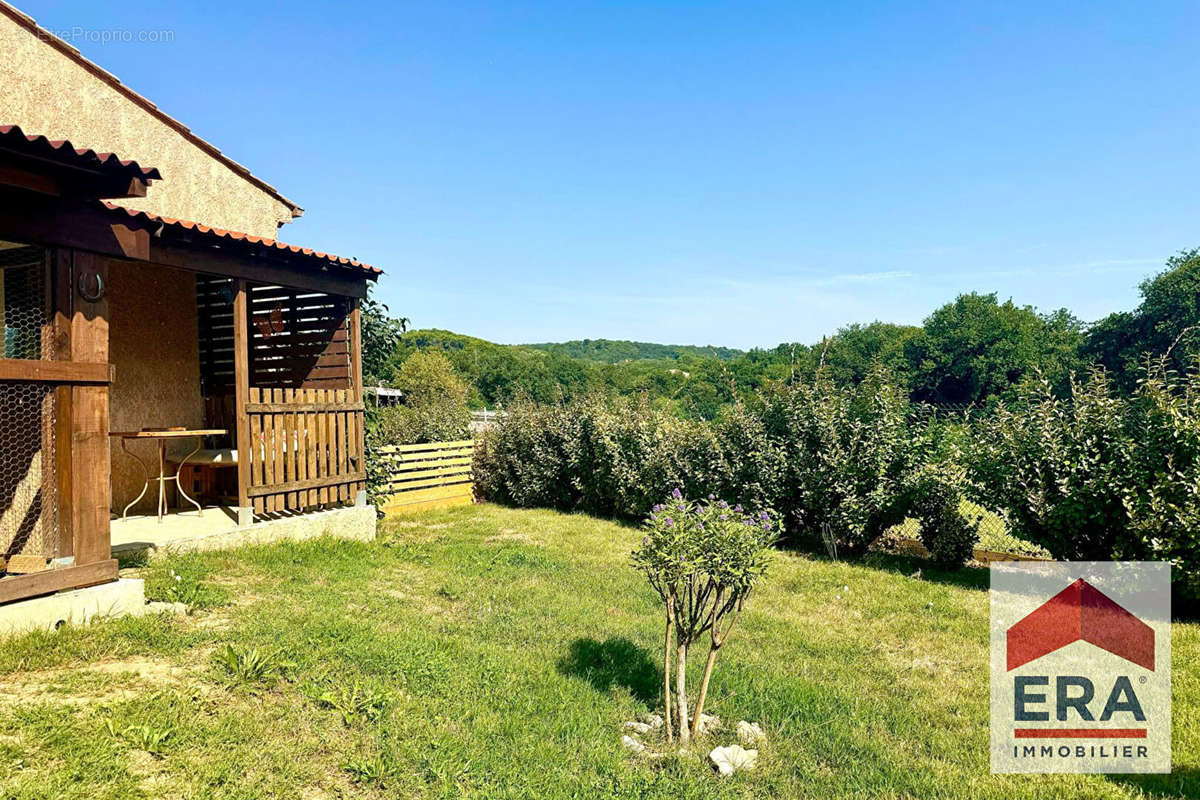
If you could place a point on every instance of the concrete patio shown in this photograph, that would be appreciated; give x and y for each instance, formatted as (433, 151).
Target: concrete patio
(217, 528)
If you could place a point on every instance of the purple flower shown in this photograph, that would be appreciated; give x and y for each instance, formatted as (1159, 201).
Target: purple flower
(658, 507)
(766, 526)
(764, 516)
(700, 525)
(723, 504)
(738, 509)
(645, 540)
(668, 521)
(712, 497)
(723, 517)
(678, 495)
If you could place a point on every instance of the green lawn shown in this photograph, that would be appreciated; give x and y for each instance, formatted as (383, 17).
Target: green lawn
(486, 652)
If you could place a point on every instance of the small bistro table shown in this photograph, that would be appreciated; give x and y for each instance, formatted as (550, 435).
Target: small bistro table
(162, 436)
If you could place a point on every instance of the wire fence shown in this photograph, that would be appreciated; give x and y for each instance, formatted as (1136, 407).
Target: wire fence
(28, 507)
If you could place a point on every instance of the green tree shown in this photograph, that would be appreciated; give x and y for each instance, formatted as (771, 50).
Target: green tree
(1163, 325)
(429, 379)
(978, 347)
(851, 353)
(380, 335)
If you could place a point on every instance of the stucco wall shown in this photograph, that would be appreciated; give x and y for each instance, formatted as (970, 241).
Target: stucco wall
(153, 345)
(47, 92)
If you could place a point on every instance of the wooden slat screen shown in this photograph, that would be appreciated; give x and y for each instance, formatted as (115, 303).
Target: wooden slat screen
(422, 476)
(214, 302)
(298, 339)
(306, 448)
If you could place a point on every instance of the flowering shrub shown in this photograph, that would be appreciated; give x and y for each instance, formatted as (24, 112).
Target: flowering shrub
(703, 560)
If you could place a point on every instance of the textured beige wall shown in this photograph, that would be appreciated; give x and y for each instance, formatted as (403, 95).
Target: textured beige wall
(47, 92)
(154, 346)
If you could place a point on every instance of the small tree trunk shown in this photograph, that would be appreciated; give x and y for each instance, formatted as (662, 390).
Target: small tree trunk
(703, 694)
(667, 672)
(685, 736)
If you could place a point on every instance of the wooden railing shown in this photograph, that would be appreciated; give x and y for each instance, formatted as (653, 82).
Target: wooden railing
(306, 448)
(423, 476)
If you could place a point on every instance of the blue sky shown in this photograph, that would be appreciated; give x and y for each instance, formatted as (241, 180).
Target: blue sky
(736, 173)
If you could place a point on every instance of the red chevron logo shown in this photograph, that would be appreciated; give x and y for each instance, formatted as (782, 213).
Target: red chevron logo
(1080, 612)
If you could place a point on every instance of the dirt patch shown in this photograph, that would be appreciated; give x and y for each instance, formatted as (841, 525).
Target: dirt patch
(100, 682)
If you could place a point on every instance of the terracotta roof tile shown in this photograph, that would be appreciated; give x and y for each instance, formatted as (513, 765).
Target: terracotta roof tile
(268, 244)
(62, 151)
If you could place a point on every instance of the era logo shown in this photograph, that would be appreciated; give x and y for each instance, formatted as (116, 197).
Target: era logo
(1067, 699)
(1079, 681)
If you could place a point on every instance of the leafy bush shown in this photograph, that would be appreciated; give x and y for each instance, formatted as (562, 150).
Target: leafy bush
(845, 454)
(816, 452)
(603, 456)
(1097, 475)
(948, 534)
(1164, 512)
(1060, 467)
(438, 422)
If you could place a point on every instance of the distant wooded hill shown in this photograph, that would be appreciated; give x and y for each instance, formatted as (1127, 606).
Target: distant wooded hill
(968, 351)
(614, 351)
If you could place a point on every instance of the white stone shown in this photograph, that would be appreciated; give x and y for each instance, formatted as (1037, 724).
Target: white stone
(750, 733)
(632, 745)
(637, 727)
(733, 758)
(655, 721)
(709, 723)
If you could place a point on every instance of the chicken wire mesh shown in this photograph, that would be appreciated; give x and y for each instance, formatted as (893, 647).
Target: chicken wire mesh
(28, 511)
(24, 303)
(28, 507)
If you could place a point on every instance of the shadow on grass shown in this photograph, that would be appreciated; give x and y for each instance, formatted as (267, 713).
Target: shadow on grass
(969, 577)
(1183, 782)
(615, 662)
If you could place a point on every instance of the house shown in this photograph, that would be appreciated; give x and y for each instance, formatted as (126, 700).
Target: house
(154, 326)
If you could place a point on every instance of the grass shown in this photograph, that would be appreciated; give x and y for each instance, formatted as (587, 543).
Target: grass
(486, 652)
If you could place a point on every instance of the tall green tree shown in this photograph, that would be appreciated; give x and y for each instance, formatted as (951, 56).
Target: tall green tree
(429, 378)
(978, 347)
(1165, 325)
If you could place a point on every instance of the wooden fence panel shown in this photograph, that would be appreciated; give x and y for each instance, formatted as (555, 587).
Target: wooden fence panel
(303, 450)
(424, 476)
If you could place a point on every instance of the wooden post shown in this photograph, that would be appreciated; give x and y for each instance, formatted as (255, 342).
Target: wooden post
(63, 310)
(90, 473)
(356, 376)
(241, 386)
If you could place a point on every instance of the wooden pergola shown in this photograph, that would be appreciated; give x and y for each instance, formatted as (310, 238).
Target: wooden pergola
(280, 351)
